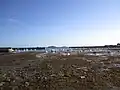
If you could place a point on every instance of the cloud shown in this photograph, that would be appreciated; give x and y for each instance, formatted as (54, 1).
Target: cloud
(13, 20)
(9, 22)
(16, 22)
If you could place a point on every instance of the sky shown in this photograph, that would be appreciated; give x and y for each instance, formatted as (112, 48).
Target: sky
(59, 22)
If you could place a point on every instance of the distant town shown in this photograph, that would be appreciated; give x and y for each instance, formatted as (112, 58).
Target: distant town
(53, 49)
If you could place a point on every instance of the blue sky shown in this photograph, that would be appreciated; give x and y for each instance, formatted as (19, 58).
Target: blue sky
(59, 22)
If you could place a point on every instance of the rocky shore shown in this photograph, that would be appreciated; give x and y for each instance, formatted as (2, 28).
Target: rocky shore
(35, 71)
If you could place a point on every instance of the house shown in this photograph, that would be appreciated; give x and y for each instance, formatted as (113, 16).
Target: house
(118, 44)
(5, 49)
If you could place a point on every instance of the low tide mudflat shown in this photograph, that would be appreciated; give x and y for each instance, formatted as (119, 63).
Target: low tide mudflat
(27, 71)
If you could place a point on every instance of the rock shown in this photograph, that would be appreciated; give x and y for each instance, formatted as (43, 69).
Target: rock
(53, 75)
(78, 68)
(82, 77)
(2, 83)
(45, 78)
(8, 79)
(26, 84)
(84, 68)
(89, 60)
(4, 75)
(74, 66)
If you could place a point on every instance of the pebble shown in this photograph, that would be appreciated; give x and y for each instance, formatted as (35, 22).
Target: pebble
(82, 77)
(53, 75)
(2, 83)
(26, 83)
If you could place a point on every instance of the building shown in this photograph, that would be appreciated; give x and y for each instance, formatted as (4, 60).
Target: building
(4, 49)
